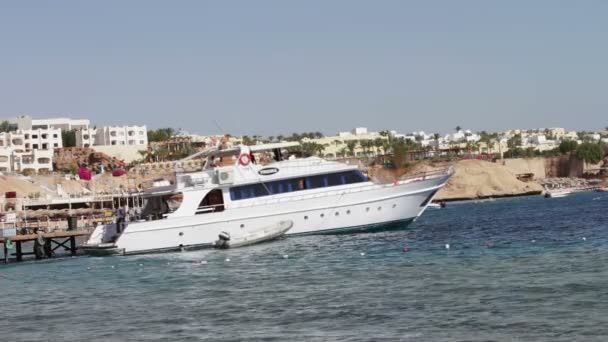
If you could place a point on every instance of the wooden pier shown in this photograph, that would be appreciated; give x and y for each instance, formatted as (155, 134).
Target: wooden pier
(59, 238)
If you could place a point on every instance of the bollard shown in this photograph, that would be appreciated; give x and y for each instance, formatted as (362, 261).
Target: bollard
(72, 223)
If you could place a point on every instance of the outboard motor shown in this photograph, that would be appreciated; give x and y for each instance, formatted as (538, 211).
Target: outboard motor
(223, 242)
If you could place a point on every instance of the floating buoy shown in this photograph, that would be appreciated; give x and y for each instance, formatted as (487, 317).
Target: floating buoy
(362, 254)
(584, 238)
(285, 256)
(227, 259)
(447, 246)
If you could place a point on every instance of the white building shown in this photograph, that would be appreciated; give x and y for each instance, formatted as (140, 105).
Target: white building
(31, 146)
(32, 139)
(29, 150)
(112, 136)
(540, 143)
(23, 161)
(360, 131)
(26, 122)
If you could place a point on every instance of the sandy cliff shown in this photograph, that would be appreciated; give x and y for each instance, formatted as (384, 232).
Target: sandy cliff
(473, 179)
(481, 179)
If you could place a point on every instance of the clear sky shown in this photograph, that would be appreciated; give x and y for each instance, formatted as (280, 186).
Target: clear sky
(270, 67)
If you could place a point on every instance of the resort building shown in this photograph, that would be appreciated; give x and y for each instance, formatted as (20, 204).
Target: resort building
(34, 161)
(29, 149)
(339, 145)
(31, 139)
(112, 136)
(25, 122)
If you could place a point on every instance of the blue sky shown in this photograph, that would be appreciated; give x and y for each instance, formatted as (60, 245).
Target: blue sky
(270, 67)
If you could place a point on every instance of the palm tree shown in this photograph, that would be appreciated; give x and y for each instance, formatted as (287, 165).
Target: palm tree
(146, 155)
(246, 140)
(351, 145)
(378, 143)
(363, 145)
(491, 144)
(321, 148)
(367, 145)
(386, 145)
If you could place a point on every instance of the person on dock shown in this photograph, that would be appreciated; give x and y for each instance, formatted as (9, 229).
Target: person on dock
(121, 214)
(42, 245)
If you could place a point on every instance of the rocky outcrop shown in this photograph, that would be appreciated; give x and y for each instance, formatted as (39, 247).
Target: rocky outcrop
(69, 159)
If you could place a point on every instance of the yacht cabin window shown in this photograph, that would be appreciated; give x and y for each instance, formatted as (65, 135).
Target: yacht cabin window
(212, 203)
(296, 184)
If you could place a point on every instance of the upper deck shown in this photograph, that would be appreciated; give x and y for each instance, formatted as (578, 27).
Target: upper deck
(240, 166)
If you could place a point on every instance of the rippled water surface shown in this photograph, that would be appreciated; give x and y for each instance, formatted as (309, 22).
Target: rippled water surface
(526, 269)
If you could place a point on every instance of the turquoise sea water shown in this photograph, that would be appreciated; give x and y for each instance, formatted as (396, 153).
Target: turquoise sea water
(525, 269)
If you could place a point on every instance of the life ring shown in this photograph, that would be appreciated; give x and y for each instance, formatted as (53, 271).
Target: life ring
(244, 159)
(8, 244)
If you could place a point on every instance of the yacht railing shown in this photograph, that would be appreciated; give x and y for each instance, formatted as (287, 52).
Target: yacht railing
(427, 175)
(209, 208)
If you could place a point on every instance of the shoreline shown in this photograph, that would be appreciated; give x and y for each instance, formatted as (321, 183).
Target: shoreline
(498, 196)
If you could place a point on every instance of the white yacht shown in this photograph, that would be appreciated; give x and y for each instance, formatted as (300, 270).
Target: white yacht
(237, 195)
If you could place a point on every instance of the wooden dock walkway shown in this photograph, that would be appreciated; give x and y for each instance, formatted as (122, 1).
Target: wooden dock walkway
(59, 238)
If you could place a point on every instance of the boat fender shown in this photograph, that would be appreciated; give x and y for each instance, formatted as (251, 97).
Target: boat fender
(223, 242)
(224, 236)
(244, 159)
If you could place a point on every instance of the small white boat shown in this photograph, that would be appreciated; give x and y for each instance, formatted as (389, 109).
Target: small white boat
(557, 193)
(252, 237)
